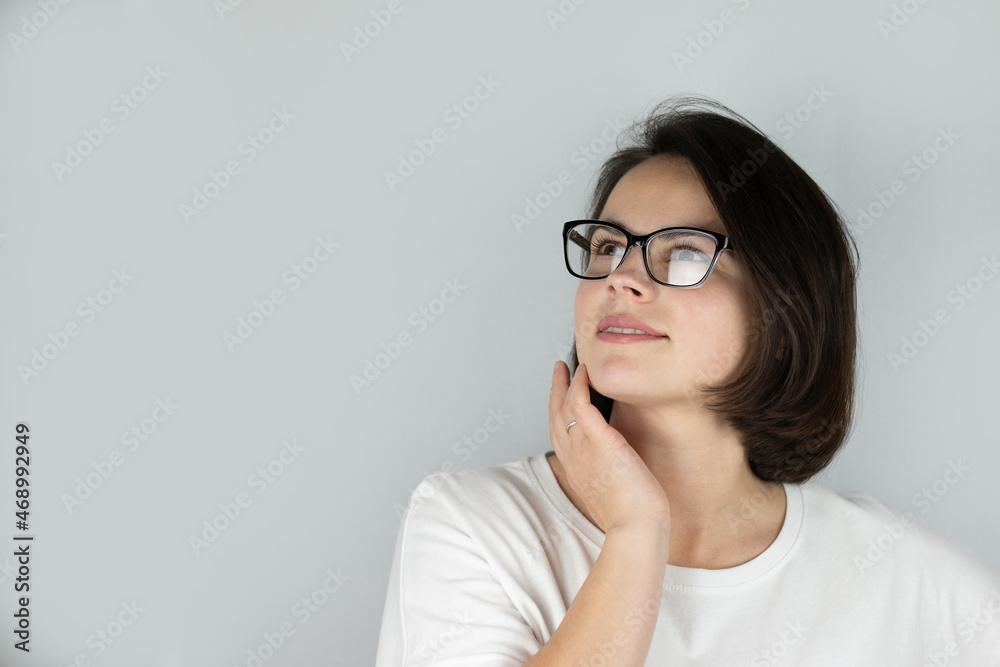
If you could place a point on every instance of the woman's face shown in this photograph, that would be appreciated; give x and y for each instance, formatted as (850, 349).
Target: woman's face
(706, 327)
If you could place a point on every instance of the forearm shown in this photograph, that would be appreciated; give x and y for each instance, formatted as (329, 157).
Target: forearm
(615, 611)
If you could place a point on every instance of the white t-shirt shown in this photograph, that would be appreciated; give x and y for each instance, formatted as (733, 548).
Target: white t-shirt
(487, 562)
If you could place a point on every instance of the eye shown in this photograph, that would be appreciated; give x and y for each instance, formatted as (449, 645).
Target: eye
(603, 244)
(686, 253)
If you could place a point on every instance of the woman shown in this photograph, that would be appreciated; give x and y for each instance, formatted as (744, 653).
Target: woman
(674, 522)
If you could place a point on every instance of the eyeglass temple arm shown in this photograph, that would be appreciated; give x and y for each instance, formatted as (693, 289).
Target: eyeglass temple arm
(579, 239)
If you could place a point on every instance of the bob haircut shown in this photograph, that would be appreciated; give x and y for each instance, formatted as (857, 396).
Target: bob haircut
(791, 396)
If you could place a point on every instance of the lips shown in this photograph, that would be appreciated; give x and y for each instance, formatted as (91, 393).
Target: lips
(627, 323)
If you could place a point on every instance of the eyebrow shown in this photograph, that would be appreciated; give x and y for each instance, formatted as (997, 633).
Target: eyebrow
(688, 224)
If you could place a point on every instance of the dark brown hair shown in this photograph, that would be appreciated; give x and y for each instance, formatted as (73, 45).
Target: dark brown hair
(792, 394)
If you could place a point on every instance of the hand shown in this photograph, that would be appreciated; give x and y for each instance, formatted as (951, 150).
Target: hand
(616, 485)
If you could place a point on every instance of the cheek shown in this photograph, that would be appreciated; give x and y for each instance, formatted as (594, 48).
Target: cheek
(717, 337)
(578, 329)
(583, 312)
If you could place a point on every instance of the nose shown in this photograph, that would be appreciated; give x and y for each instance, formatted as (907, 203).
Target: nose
(631, 272)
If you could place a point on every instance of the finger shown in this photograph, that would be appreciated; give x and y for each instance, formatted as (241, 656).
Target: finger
(578, 394)
(579, 390)
(557, 413)
(580, 407)
(589, 419)
(560, 385)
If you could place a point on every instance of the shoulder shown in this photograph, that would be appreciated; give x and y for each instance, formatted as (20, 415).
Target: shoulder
(874, 531)
(911, 581)
(483, 493)
(848, 507)
(455, 561)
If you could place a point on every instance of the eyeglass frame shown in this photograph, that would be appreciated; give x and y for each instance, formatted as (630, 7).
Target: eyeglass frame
(722, 242)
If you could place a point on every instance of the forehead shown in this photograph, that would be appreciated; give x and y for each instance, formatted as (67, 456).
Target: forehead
(661, 192)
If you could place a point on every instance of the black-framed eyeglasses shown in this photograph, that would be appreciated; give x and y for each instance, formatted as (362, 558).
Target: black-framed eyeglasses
(674, 256)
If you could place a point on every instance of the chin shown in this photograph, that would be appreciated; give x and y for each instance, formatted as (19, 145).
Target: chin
(621, 380)
(617, 379)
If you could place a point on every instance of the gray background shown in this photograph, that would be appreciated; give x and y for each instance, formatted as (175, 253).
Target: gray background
(335, 507)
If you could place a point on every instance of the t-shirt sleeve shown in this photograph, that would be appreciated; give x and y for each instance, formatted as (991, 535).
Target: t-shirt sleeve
(960, 595)
(974, 616)
(445, 607)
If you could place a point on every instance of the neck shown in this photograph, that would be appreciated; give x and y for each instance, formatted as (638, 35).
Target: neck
(721, 513)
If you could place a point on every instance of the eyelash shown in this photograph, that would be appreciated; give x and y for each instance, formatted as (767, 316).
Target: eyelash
(598, 242)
